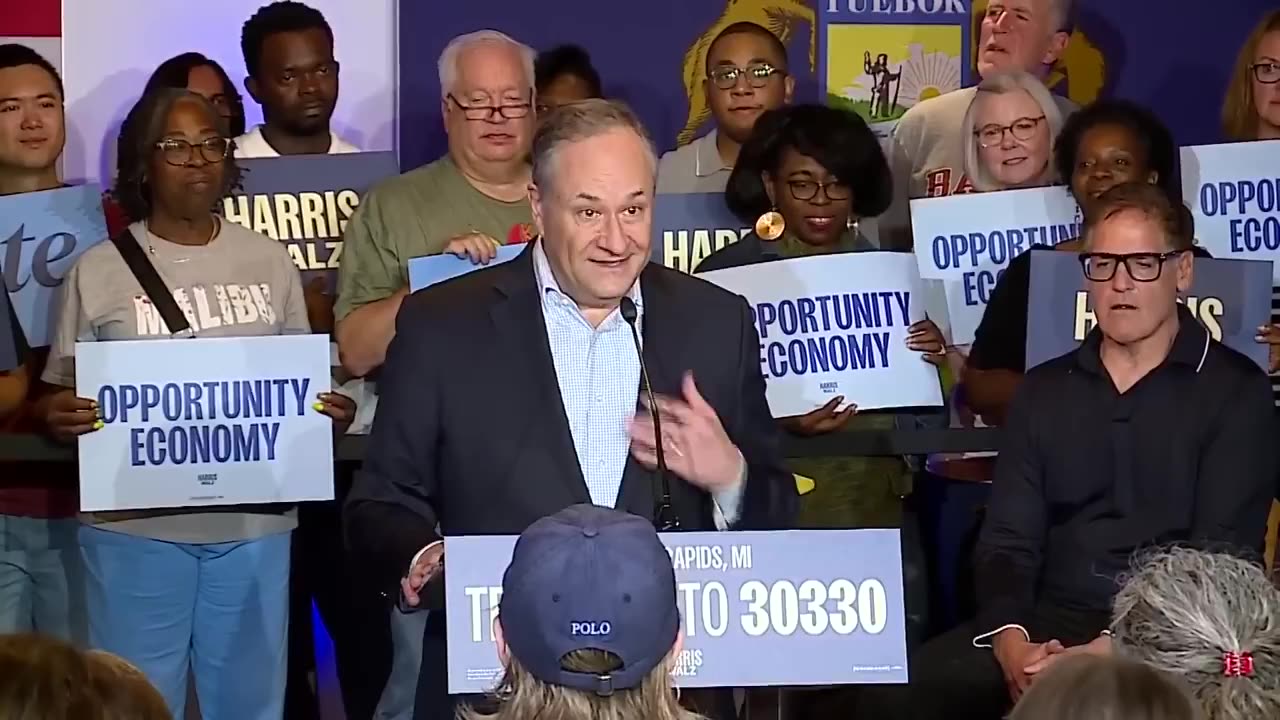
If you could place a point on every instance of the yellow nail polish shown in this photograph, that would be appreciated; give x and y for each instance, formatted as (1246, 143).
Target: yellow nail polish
(99, 425)
(319, 407)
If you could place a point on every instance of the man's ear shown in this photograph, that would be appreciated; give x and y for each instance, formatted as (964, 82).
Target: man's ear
(504, 654)
(251, 87)
(1186, 271)
(788, 89)
(1057, 47)
(535, 207)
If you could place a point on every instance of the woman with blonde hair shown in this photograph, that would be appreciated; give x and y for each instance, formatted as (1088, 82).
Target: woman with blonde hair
(1211, 619)
(1088, 687)
(587, 562)
(1009, 130)
(1252, 107)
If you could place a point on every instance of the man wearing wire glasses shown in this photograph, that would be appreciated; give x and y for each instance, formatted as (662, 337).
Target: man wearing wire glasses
(746, 75)
(1150, 433)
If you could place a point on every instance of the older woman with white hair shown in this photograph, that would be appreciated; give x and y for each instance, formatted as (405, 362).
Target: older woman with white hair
(1213, 620)
(1012, 122)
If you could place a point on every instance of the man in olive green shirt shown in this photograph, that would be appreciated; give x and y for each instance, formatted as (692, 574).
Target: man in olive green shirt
(467, 202)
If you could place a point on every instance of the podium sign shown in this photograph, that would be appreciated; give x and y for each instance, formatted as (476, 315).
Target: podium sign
(797, 607)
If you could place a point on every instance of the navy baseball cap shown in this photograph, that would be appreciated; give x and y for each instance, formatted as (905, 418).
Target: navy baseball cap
(590, 577)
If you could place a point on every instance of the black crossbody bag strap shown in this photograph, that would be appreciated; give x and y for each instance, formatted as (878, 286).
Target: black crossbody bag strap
(151, 282)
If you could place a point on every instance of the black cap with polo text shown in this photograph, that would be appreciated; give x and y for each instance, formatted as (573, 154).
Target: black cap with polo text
(589, 577)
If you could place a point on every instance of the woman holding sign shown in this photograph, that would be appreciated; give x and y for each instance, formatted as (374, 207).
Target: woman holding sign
(200, 589)
(805, 177)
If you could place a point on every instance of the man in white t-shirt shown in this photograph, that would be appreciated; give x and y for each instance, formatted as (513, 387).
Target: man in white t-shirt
(288, 51)
(927, 148)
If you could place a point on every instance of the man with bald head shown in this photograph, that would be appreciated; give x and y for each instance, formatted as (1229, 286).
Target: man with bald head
(467, 202)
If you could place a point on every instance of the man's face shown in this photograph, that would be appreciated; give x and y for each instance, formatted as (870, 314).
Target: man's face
(32, 130)
(737, 107)
(1019, 35)
(298, 81)
(1130, 310)
(489, 111)
(595, 216)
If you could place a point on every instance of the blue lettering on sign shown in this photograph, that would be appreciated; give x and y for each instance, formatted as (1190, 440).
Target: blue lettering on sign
(995, 247)
(185, 403)
(808, 335)
(1240, 197)
(590, 628)
(978, 286)
(1253, 234)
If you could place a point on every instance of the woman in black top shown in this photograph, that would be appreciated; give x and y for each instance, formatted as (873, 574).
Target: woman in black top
(1103, 145)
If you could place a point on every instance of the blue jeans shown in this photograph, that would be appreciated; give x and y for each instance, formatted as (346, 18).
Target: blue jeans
(406, 662)
(41, 579)
(219, 611)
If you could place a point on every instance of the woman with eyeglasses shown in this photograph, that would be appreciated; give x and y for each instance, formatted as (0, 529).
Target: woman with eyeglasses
(201, 590)
(1011, 124)
(806, 177)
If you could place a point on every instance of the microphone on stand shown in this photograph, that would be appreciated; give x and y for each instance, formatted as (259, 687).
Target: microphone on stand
(664, 515)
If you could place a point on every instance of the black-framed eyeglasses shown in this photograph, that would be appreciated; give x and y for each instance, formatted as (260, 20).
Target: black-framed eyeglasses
(726, 76)
(1142, 267)
(484, 113)
(1266, 73)
(808, 189)
(1022, 129)
(180, 152)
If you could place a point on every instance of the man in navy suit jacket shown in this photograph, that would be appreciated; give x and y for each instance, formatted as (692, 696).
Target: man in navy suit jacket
(515, 391)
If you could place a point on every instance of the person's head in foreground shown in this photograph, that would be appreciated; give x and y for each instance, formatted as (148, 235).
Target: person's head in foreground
(821, 168)
(1112, 142)
(1211, 619)
(1088, 687)
(1026, 35)
(1010, 127)
(1137, 258)
(594, 169)
(1252, 108)
(123, 692)
(588, 626)
(174, 158)
(43, 678)
(565, 75)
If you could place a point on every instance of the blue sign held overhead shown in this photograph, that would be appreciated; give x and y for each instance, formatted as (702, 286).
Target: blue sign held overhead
(43, 234)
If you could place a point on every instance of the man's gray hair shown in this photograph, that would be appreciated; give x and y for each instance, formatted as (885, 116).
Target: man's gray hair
(1185, 610)
(580, 121)
(1001, 84)
(448, 64)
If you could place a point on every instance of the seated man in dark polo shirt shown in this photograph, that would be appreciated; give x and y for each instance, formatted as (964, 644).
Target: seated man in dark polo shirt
(1149, 433)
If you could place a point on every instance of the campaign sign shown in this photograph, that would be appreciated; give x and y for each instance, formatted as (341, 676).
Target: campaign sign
(432, 269)
(820, 337)
(43, 235)
(687, 227)
(968, 240)
(796, 607)
(1232, 298)
(1234, 194)
(220, 421)
(305, 201)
